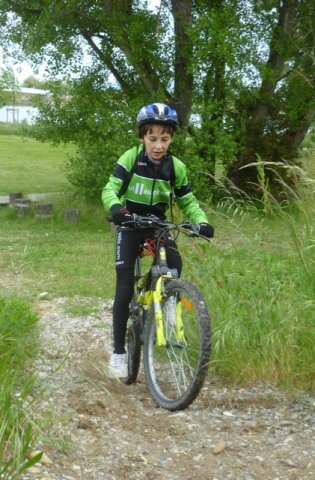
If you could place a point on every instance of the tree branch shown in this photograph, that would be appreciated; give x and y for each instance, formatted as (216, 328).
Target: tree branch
(106, 60)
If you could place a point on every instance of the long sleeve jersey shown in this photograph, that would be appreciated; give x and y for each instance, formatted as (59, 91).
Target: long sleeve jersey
(150, 187)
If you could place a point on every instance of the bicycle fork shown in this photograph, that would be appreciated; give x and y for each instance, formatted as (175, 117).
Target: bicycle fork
(159, 320)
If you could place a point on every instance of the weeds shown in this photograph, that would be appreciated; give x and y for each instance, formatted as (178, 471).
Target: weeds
(259, 281)
(17, 348)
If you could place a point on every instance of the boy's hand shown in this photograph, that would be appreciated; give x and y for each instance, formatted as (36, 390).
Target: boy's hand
(206, 230)
(120, 214)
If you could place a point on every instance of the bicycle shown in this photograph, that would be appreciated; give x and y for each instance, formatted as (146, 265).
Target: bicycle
(168, 316)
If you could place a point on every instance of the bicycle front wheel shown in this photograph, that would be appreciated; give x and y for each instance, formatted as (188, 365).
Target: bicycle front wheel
(175, 373)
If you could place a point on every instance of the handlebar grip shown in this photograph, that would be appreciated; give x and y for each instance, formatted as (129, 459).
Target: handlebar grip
(133, 218)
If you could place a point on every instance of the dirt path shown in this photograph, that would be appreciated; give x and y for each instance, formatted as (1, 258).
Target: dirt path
(102, 429)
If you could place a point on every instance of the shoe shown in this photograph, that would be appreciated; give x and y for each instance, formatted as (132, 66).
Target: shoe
(117, 367)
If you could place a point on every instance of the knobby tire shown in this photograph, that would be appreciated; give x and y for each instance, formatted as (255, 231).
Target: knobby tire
(133, 343)
(176, 373)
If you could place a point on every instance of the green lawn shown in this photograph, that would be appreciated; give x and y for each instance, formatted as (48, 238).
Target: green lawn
(29, 166)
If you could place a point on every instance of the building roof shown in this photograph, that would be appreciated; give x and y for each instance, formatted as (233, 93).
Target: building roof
(29, 91)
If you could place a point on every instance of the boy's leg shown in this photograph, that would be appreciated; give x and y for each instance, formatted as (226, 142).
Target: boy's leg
(173, 257)
(127, 247)
(123, 296)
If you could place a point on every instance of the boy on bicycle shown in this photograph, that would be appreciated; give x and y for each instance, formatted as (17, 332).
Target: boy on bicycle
(151, 173)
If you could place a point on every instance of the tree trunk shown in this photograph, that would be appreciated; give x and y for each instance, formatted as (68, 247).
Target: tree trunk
(257, 144)
(182, 101)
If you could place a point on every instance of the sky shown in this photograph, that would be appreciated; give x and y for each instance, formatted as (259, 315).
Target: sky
(24, 70)
(21, 70)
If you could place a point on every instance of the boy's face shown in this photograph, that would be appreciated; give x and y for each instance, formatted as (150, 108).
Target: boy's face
(157, 141)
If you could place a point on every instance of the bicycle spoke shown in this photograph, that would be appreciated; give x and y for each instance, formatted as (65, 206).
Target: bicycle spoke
(176, 371)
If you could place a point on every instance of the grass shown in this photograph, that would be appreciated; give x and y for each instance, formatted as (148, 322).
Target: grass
(48, 256)
(262, 302)
(17, 348)
(258, 277)
(29, 166)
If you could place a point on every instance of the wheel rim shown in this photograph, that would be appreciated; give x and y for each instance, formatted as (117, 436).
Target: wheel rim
(173, 369)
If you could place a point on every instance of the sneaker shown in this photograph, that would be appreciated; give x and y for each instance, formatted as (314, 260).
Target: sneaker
(117, 367)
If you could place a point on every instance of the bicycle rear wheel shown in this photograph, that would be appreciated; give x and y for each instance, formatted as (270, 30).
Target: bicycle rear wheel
(175, 373)
(133, 342)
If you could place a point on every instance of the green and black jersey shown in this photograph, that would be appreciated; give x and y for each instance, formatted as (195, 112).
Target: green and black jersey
(150, 187)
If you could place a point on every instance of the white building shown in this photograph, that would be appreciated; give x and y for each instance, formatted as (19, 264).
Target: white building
(21, 109)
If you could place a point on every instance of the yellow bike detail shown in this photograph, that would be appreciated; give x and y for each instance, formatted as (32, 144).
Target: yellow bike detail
(157, 299)
(180, 334)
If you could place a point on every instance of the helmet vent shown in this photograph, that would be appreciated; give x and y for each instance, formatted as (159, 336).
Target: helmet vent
(157, 113)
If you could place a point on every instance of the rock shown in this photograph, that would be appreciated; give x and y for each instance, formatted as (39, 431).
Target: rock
(259, 458)
(228, 414)
(289, 463)
(34, 470)
(43, 295)
(45, 460)
(219, 448)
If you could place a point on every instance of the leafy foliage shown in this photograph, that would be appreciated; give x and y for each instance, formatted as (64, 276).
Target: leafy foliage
(243, 70)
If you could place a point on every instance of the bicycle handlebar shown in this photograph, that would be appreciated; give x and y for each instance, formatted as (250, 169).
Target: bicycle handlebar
(151, 221)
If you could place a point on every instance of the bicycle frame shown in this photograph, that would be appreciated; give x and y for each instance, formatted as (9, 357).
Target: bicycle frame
(155, 295)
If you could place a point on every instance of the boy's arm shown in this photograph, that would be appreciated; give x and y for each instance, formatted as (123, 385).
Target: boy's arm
(116, 179)
(185, 199)
(110, 193)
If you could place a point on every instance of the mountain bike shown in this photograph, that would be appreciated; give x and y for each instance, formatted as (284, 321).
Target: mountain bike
(169, 318)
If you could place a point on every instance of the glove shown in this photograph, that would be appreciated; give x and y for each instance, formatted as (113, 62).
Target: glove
(120, 214)
(206, 230)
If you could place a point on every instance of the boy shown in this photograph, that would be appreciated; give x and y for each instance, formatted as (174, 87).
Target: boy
(155, 171)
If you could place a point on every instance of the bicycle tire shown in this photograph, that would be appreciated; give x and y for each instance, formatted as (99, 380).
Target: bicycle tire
(133, 343)
(175, 373)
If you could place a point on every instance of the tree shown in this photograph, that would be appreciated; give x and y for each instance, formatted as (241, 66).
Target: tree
(9, 88)
(245, 69)
(33, 82)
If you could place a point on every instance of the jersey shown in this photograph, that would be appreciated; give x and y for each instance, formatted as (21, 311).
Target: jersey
(150, 187)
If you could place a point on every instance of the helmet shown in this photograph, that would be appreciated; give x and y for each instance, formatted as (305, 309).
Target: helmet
(157, 113)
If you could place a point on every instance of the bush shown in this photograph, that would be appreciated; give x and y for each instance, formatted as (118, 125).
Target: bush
(89, 170)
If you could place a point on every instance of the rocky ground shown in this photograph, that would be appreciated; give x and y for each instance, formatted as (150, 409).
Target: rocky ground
(95, 428)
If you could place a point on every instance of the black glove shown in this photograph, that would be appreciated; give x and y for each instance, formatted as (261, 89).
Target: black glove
(206, 230)
(120, 214)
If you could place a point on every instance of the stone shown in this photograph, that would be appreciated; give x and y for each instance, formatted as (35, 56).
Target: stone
(22, 207)
(43, 210)
(219, 448)
(72, 215)
(14, 196)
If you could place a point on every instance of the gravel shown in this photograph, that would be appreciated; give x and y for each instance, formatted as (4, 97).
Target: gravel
(95, 428)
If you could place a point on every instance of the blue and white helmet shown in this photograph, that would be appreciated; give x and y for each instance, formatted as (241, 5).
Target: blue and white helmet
(157, 113)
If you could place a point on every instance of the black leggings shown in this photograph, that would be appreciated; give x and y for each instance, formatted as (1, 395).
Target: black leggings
(127, 248)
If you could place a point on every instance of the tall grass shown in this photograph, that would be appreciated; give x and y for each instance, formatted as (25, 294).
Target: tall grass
(259, 280)
(17, 348)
